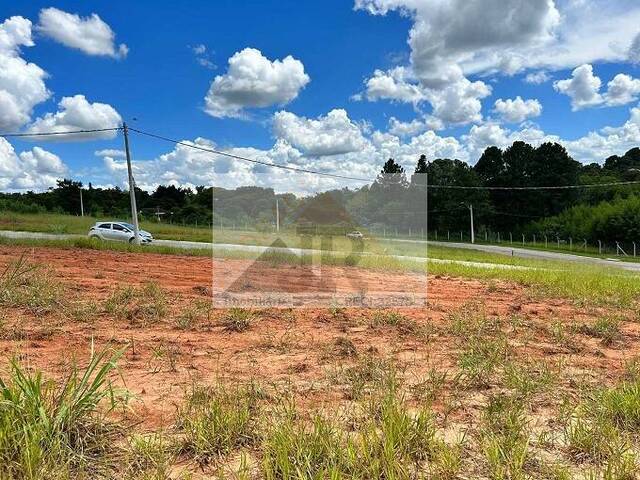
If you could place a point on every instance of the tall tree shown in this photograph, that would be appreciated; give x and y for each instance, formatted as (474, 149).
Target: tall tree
(490, 166)
(419, 174)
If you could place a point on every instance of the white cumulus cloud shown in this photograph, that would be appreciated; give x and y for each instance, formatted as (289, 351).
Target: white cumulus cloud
(622, 89)
(537, 78)
(393, 85)
(35, 169)
(254, 81)
(456, 102)
(452, 40)
(21, 83)
(331, 134)
(584, 89)
(90, 35)
(76, 113)
(408, 129)
(517, 110)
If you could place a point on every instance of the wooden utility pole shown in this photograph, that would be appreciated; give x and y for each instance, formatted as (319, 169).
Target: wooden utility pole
(277, 216)
(132, 191)
(81, 204)
(473, 234)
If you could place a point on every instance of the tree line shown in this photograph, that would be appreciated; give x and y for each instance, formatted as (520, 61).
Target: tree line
(399, 199)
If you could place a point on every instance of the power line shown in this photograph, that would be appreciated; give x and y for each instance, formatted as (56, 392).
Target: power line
(359, 179)
(70, 132)
(556, 187)
(251, 160)
(316, 172)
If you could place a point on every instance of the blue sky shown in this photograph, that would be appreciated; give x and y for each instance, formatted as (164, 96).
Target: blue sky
(331, 85)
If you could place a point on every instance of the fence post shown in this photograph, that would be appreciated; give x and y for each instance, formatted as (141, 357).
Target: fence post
(558, 238)
(511, 238)
(436, 235)
(523, 240)
(460, 236)
(498, 237)
(486, 236)
(585, 244)
(570, 244)
(599, 247)
(634, 249)
(546, 242)
(534, 240)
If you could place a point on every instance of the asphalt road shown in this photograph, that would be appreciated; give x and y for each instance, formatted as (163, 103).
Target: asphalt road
(537, 254)
(501, 250)
(252, 249)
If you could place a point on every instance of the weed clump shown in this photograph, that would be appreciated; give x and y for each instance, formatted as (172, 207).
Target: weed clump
(404, 324)
(481, 359)
(149, 456)
(51, 431)
(216, 420)
(29, 286)
(293, 450)
(142, 306)
(606, 328)
(237, 320)
(345, 347)
(602, 427)
(504, 438)
(193, 316)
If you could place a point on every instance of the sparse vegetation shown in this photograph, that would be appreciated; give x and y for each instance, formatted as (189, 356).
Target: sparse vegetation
(29, 286)
(216, 420)
(142, 306)
(237, 319)
(496, 391)
(607, 328)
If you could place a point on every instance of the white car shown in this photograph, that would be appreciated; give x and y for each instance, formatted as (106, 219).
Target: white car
(355, 235)
(118, 231)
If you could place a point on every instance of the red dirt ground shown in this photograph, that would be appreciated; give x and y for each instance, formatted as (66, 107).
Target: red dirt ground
(282, 347)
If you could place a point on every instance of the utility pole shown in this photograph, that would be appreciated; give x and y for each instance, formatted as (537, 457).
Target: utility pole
(132, 191)
(473, 235)
(277, 216)
(81, 204)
